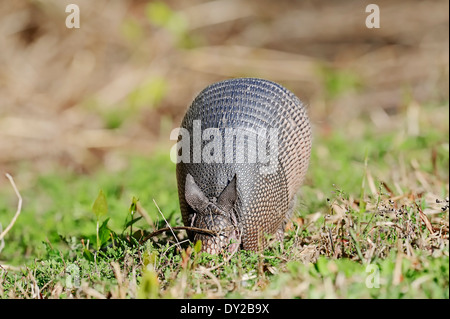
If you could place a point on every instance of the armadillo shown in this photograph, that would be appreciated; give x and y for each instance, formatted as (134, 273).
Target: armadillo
(225, 181)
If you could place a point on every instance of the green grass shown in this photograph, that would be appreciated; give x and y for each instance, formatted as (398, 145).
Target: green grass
(343, 235)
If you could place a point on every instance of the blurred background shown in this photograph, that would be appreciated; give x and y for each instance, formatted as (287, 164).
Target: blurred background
(84, 98)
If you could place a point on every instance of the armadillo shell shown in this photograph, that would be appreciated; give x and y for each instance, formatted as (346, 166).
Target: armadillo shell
(265, 200)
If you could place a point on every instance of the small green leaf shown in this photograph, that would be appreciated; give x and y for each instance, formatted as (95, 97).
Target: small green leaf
(104, 233)
(150, 258)
(198, 246)
(133, 206)
(131, 222)
(100, 207)
(322, 266)
(88, 255)
(294, 267)
(149, 287)
(159, 13)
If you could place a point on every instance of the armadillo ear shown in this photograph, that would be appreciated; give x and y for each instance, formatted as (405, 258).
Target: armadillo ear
(194, 195)
(228, 197)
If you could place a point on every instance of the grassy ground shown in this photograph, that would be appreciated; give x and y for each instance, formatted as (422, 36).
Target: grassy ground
(360, 230)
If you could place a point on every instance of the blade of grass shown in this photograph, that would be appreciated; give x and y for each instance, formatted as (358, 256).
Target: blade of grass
(355, 242)
(168, 225)
(19, 207)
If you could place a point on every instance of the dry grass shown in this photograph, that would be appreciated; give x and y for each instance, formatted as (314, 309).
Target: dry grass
(83, 100)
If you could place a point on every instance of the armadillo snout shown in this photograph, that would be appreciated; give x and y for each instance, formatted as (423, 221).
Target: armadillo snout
(216, 245)
(227, 237)
(217, 215)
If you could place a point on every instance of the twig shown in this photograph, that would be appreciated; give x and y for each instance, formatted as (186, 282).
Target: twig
(19, 207)
(167, 223)
(9, 267)
(194, 229)
(425, 219)
(120, 281)
(208, 272)
(141, 210)
(92, 292)
(168, 248)
(331, 240)
(2, 241)
(391, 193)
